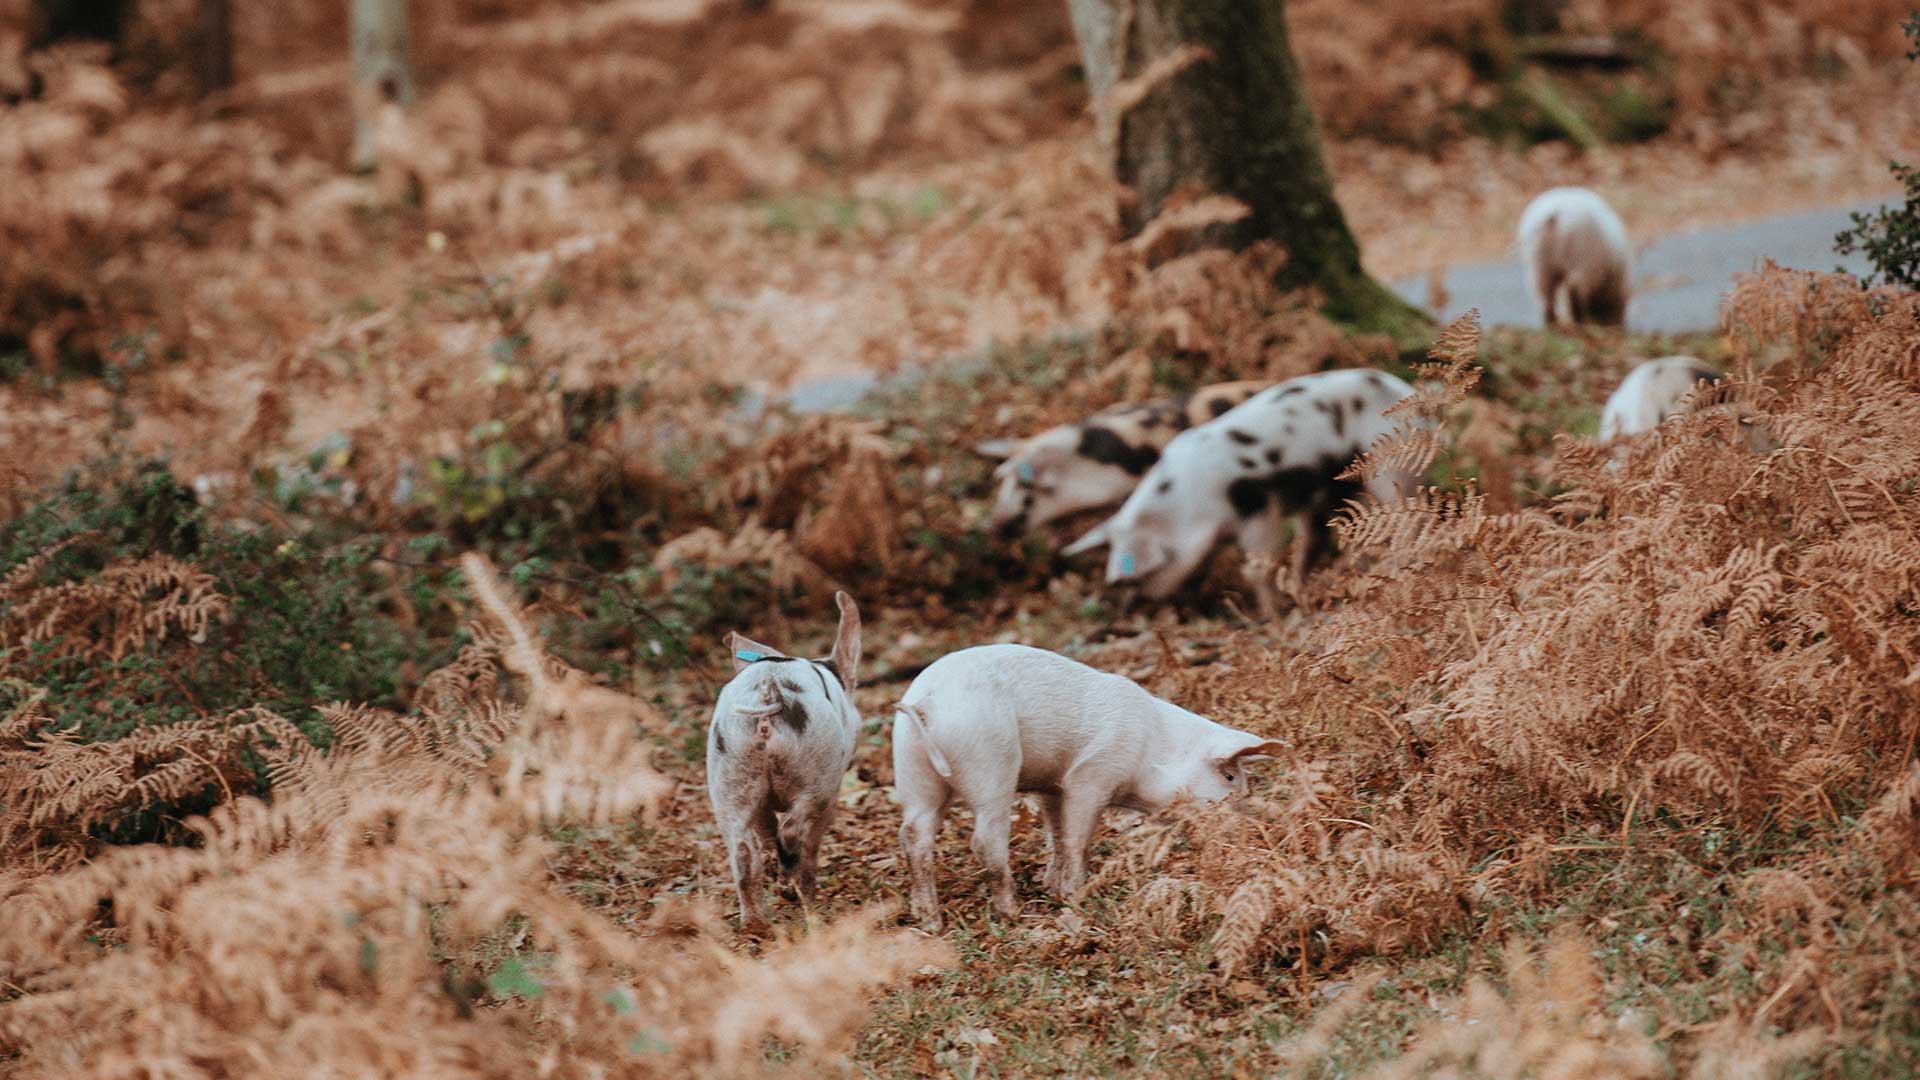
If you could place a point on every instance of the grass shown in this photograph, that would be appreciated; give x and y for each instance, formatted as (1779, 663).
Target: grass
(814, 216)
(1103, 1002)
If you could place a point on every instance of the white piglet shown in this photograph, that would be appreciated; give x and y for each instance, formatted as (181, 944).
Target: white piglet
(1268, 462)
(1656, 389)
(1650, 393)
(986, 723)
(783, 735)
(1575, 254)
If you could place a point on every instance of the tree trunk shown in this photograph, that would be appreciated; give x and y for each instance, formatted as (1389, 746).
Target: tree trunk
(1235, 122)
(63, 20)
(213, 45)
(382, 75)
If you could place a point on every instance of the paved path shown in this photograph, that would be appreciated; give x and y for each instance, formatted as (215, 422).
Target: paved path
(1679, 278)
(1678, 281)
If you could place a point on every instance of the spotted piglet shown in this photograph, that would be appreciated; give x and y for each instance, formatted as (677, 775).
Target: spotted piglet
(782, 738)
(1095, 463)
(1247, 474)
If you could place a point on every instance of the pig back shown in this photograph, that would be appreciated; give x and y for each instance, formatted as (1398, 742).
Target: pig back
(991, 706)
(1104, 725)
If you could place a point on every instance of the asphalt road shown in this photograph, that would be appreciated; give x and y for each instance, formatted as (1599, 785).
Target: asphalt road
(1678, 278)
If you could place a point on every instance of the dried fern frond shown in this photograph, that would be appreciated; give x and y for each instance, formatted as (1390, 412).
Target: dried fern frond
(121, 608)
(1550, 1024)
(1245, 917)
(749, 547)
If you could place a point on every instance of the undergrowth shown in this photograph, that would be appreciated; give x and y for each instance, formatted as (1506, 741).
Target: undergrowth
(1600, 759)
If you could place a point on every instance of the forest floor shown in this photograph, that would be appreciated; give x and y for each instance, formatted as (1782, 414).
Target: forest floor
(1596, 766)
(1101, 987)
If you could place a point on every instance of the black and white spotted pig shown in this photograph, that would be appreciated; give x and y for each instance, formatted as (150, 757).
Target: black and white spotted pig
(783, 735)
(1247, 474)
(1095, 463)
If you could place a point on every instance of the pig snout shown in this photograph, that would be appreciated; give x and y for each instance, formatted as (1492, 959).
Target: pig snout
(1009, 516)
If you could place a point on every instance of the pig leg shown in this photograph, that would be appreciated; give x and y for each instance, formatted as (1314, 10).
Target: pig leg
(1307, 534)
(919, 828)
(1079, 816)
(1261, 536)
(1547, 282)
(992, 822)
(1050, 811)
(800, 836)
(747, 845)
(740, 808)
(923, 795)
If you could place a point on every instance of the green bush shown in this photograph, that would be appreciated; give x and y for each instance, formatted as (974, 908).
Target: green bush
(310, 621)
(1890, 236)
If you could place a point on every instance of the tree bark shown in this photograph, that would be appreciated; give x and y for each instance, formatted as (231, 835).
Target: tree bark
(382, 72)
(98, 20)
(1234, 122)
(213, 45)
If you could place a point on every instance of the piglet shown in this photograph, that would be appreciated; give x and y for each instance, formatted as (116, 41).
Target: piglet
(782, 737)
(1574, 252)
(1655, 390)
(986, 723)
(1095, 463)
(1650, 393)
(1273, 462)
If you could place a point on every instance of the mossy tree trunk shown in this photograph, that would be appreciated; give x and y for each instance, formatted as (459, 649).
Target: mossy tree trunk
(1235, 121)
(382, 72)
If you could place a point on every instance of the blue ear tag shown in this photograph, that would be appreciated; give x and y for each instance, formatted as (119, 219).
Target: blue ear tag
(749, 656)
(1126, 565)
(1025, 472)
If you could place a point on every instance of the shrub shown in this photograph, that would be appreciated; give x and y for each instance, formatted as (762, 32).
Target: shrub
(1890, 236)
(1692, 640)
(352, 924)
(130, 608)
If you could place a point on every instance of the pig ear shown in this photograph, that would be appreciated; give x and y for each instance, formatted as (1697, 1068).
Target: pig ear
(1095, 537)
(846, 644)
(1265, 749)
(746, 650)
(1000, 449)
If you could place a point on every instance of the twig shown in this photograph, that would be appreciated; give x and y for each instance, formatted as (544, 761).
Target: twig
(180, 685)
(217, 775)
(1626, 827)
(1792, 977)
